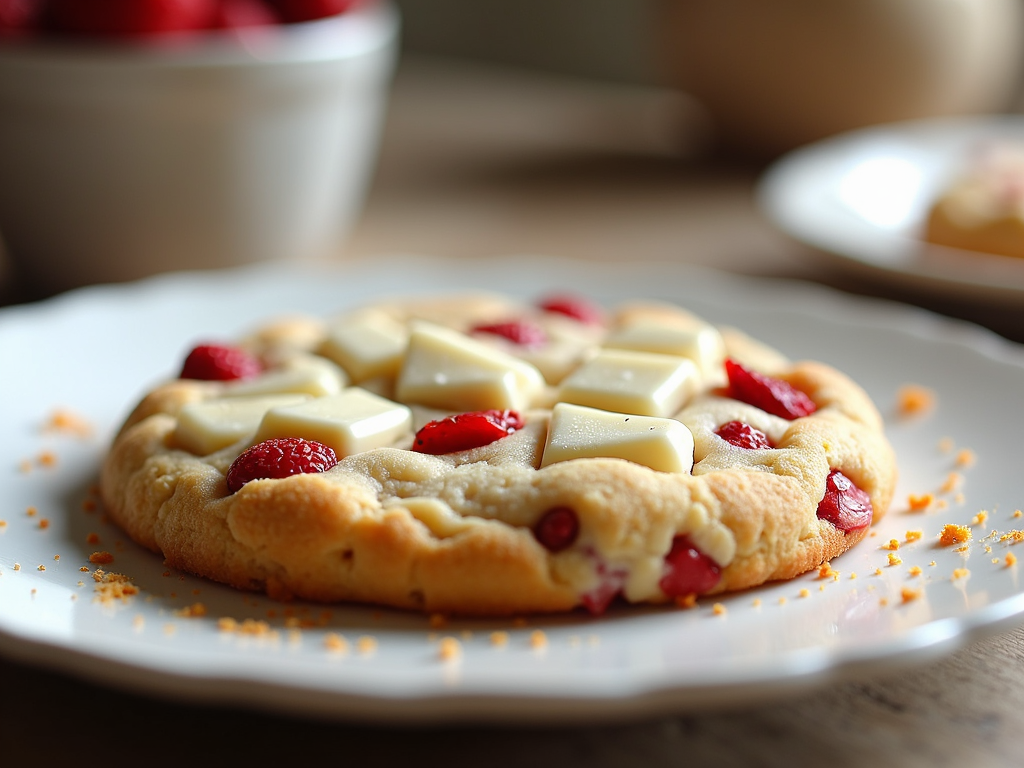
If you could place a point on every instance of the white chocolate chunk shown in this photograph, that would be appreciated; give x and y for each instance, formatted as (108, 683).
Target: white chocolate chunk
(350, 422)
(632, 382)
(302, 374)
(448, 370)
(367, 345)
(703, 343)
(210, 425)
(578, 432)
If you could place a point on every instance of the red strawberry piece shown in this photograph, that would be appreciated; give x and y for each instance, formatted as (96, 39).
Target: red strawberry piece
(844, 505)
(465, 431)
(688, 571)
(19, 16)
(280, 457)
(309, 10)
(521, 332)
(575, 307)
(777, 397)
(557, 529)
(213, 362)
(128, 18)
(743, 435)
(237, 14)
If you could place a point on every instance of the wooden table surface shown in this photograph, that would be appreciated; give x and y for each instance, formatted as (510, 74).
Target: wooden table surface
(480, 164)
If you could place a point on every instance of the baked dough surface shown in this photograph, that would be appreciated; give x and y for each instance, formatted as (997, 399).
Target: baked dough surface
(453, 533)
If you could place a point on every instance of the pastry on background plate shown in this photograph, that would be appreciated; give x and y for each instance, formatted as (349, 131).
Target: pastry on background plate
(475, 454)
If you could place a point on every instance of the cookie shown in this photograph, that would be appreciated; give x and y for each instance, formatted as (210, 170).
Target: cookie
(477, 455)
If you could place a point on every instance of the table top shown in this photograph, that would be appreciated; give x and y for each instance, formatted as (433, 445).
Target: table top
(480, 163)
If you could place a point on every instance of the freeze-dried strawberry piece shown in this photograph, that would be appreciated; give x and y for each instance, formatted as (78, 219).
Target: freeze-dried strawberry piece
(743, 435)
(308, 10)
(610, 583)
(777, 397)
(521, 332)
(688, 571)
(128, 18)
(845, 505)
(465, 431)
(278, 458)
(575, 307)
(557, 529)
(214, 362)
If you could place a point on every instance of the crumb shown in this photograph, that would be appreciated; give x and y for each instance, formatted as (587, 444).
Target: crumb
(366, 644)
(980, 518)
(195, 610)
(826, 571)
(47, 459)
(44, 523)
(959, 498)
(960, 573)
(227, 624)
(138, 622)
(538, 640)
(907, 594)
(914, 535)
(914, 399)
(17, 566)
(84, 569)
(3, 523)
(1017, 513)
(782, 600)
(56, 558)
(718, 609)
(686, 601)
(24, 466)
(63, 420)
(113, 586)
(894, 559)
(101, 558)
(943, 504)
(500, 639)
(884, 601)
(964, 548)
(853, 574)
(1013, 537)
(1010, 559)
(946, 445)
(932, 563)
(805, 592)
(914, 570)
(450, 649)
(757, 602)
(919, 503)
(995, 560)
(92, 538)
(953, 480)
(438, 620)
(988, 549)
(878, 571)
(893, 544)
(954, 534)
(40, 567)
(965, 457)
(31, 511)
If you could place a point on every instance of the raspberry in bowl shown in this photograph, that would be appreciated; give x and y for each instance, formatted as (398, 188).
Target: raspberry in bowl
(143, 136)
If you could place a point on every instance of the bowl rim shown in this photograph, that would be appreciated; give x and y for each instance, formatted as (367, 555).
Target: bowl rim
(367, 27)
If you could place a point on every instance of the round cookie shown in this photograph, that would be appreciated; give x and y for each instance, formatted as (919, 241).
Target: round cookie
(615, 480)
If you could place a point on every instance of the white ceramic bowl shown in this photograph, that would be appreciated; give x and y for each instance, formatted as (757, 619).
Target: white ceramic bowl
(119, 161)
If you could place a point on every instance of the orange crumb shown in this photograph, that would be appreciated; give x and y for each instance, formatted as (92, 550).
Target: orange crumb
(366, 644)
(449, 649)
(193, 611)
(1010, 559)
(953, 480)
(686, 601)
(954, 534)
(31, 511)
(47, 459)
(40, 567)
(138, 622)
(84, 569)
(227, 624)
(92, 538)
(995, 560)
(113, 586)
(44, 523)
(757, 602)
(1013, 537)
(914, 570)
(964, 548)
(914, 399)
(17, 566)
(878, 571)
(56, 557)
(894, 559)
(62, 420)
(965, 457)
(853, 575)
(907, 594)
(943, 504)
(884, 601)
(782, 601)
(914, 535)
(3, 523)
(893, 544)
(538, 639)
(980, 518)
(718, 609)
(805, 592)
(438, 620)
(825, 571)
(918, 503)
(335, 643)
(961, 573)
(499, 639)
(1017, 513)
(101, 558)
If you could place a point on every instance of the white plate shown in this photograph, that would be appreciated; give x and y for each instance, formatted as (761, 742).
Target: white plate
(862, 197)
(95, 351)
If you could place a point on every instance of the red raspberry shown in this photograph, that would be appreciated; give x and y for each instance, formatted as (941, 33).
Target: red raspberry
(844, 505)
(688, 571)
(308, 10)
(213, 362)
(236, 14)
(280, 457)
(128, 18)
(777, 397)
(521, 332)
(557, 529)
(465, 431)
(575, 307)
(743, 435)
